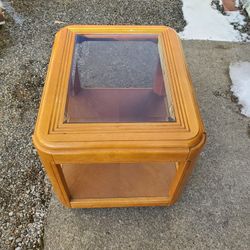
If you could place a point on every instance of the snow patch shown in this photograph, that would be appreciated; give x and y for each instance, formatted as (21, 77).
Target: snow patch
(240, 76)
(234, 17)
(206, 23)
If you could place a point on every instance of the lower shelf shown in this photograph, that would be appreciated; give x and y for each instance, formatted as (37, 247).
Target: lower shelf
(100, 181)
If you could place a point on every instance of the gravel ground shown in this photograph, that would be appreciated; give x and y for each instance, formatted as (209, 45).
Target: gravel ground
(119, 64)
(25, 46)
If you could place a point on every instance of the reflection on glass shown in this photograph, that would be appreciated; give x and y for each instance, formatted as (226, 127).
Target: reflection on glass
(117, 78)
(118, 180)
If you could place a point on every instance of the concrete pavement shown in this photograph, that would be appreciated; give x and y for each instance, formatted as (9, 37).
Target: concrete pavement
(213, 212)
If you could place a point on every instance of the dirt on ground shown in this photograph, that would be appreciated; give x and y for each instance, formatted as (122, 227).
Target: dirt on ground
(25, 46)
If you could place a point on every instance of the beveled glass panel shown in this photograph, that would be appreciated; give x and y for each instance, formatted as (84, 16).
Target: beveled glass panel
(118, 78)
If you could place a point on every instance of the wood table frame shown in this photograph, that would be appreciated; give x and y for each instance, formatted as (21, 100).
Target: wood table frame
(59, 143)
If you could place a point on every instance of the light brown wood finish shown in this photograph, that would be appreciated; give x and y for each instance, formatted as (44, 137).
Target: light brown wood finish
(61, 143)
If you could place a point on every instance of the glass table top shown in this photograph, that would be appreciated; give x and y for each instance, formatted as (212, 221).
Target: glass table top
(117, 78)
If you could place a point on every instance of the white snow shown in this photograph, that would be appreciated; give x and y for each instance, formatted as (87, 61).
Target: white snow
(235, 17)
(206, 23)
(240, 76)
